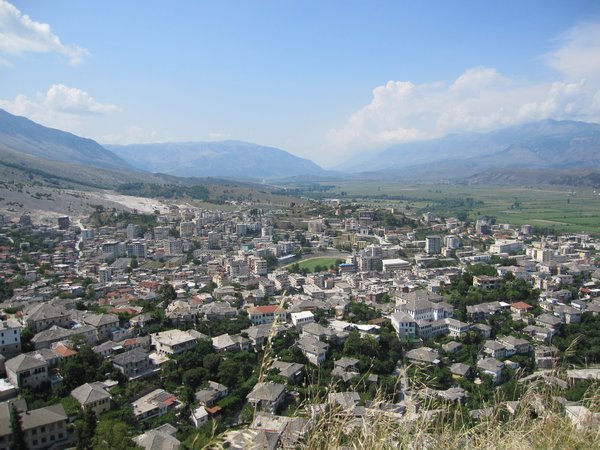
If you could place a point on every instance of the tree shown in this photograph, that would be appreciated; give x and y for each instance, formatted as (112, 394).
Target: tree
(17, 438)
(85, 430)
(166, 292)
(111, 434)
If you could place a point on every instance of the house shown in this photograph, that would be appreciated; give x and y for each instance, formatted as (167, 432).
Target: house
(45, 339)
(230, 343)
(452, 347)
(520, 308)
(142, 320)
(104, 324)
(542, 334)
(26, 371)
(133, 364)
(486, 282)
(267, 397)
(546, 357)
(160, 438)
(199, 416)
(346, 400)
(92, 396)
(291, 371)
(155, 404)
(491, 367)
(346, 368)
(302, 318)
(460, 369)
(260, 315)
(10, 337)
(211, 394)
(42, 316)
(314, 349)
(404, 325)
(456, 328)
(548, 320)
(484, 329)
(172, 342)
(495, 349)
(519, 345)
(568, 314)
(218, 310)
(43, 428)
(423, 355)
(259, 334)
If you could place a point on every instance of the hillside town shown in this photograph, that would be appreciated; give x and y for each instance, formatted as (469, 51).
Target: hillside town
(171, 329)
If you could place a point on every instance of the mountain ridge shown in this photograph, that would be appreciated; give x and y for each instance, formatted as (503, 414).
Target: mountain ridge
(203, 158)
(23, 135)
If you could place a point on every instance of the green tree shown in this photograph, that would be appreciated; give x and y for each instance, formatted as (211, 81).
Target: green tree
(111, 434)
(166, 292)
(85, 430)
(17, 438)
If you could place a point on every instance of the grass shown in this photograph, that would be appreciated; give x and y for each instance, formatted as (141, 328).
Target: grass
(311, 263)
(539, 423)
(573, 210)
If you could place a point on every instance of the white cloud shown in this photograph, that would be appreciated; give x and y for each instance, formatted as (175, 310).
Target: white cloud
(218, 136)
(19, 34)
(578, 52)
(75, 101)
(131, 135)
(61, 107)
(480, 99)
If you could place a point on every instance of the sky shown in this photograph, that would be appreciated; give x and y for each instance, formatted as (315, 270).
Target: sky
(324, 80)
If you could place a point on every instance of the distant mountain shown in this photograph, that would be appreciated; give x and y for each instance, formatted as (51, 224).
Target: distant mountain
(233, 159)
(548, 144)
(22, 135)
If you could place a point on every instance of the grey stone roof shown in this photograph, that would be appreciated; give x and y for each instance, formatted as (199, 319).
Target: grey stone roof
(98, 320)
(24, 362)
(89, 393)
(130, 357)
(157, 440)
(266, 391)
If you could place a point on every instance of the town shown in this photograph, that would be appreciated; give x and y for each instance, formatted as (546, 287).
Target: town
(189, 326)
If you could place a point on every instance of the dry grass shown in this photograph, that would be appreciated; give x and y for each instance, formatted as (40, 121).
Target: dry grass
(539, 423)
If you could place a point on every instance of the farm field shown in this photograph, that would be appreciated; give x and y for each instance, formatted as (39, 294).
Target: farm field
(576, 210)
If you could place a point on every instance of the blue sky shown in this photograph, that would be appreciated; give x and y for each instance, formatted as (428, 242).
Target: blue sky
(323, 80)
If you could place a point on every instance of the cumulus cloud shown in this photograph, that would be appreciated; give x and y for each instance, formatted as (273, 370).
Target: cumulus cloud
(480, 99)
(20, 34)
(61, 107)
(131, 135)
(213, 136)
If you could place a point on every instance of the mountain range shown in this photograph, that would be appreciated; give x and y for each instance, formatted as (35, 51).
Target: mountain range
(549, 147)
(233, 159)
(548, 144)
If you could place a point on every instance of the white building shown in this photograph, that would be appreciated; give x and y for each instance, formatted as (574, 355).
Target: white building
(302, 318)
(172, 342)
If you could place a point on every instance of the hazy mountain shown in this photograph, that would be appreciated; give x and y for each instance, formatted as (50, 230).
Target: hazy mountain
(546, 144)
(232, 159)
(22, 135)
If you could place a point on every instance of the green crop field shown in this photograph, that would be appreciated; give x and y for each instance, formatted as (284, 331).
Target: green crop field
(576, 210)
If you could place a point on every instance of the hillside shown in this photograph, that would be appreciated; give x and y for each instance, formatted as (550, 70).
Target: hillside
(548, 144)
(232, 159)
(22, 135)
